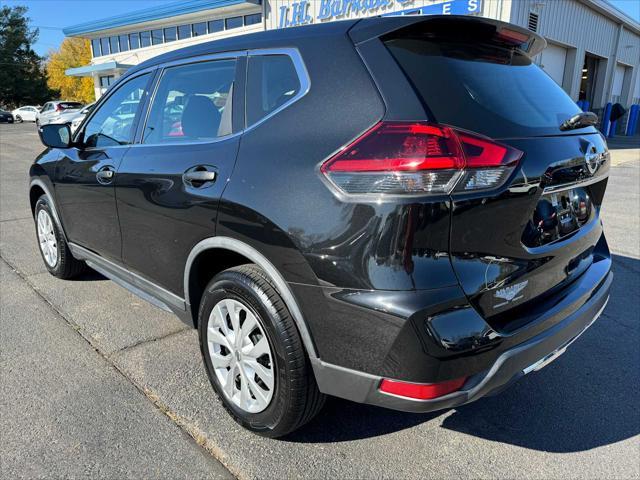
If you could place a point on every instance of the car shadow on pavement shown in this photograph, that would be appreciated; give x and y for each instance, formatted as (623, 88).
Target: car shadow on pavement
(90, 275)
(587, 399)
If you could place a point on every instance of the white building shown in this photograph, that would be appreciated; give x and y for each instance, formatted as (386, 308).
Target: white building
(593, 52)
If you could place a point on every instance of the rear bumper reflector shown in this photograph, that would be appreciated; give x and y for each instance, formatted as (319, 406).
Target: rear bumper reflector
(421, 391)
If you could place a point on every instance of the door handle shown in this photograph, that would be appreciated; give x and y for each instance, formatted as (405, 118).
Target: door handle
(199, 177)
(105, 175)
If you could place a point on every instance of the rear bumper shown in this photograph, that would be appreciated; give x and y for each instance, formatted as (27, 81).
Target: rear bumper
(510, 365)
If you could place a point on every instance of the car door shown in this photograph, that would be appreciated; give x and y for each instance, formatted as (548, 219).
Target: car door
(169, 184)
(85, 173)
(29, 114)
(42, 115)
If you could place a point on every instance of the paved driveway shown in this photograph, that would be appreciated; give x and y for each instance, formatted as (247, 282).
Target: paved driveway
(95, 382)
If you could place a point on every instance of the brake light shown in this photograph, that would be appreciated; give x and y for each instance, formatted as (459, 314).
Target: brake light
(512, 36)
(397, 158)
(421, 391)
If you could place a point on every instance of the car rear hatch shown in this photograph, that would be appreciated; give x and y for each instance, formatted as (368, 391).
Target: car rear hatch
(515, 247)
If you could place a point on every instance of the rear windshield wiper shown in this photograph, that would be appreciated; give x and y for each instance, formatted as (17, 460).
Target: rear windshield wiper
(580, 120)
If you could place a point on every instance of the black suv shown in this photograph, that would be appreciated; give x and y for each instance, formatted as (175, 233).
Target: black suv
(400, 211)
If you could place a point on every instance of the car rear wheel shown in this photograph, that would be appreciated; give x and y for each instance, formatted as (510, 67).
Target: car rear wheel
(53, 247)
(253, 354)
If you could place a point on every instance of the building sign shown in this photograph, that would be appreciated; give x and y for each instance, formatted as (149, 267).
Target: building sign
(303, 12)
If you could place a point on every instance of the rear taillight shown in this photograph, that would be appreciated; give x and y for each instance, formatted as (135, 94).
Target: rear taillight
(421, 391)
(395, 158)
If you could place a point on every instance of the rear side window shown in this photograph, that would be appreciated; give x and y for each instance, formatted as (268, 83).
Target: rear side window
(272, 81)
(483, 88)
(192, 103)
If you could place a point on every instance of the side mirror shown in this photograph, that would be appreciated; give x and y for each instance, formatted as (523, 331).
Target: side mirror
(55, 135)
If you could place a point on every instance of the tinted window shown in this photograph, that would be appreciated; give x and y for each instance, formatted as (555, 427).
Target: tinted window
(67, 105)
(252, 19)
(134, 40)
(124, 43)
(192, 103)
(216, 26)
(486, 89)
(145, 39)
(170, 34)
(104, 46)
(199, 29)
(184, 31)
(112, 122)
(95, 47)
(156, 37)
(272, 81)
(113, 41)
(233, 22)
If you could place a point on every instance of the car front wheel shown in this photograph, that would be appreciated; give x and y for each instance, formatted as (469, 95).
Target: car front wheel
(18, 119)
(253, 354)
(53, 246)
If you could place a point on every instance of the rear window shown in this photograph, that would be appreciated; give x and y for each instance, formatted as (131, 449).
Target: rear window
(484, 88)
(67, 105)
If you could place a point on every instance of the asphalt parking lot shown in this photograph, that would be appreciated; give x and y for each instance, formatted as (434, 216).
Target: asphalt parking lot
(96, 382)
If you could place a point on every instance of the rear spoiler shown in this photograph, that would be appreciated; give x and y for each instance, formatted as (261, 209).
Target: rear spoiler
(450, 26)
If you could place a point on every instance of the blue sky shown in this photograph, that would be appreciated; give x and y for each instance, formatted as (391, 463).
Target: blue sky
(53, 15)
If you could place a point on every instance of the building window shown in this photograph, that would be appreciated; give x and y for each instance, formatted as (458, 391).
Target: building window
(145, 39)
(156, 37)
(252, 19)
(106, 81)
(113, 41)
(124, 43)
(184, 31)
(134, 41)
(199, 29)
(216, 26)
(233, 22)
(95, 47)
(170, 34)
(104, 46)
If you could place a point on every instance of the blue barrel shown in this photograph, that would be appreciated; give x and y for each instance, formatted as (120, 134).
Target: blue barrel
(633, 120)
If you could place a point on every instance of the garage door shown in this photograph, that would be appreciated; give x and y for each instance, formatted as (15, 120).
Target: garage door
(618, 79)
(553, 60)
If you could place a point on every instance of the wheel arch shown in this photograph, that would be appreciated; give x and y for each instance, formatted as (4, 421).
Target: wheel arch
(37, 188)
(229, 252)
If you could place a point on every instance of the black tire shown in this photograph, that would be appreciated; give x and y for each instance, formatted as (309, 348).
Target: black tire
(66, 266)
(18, 119)
(296, 398)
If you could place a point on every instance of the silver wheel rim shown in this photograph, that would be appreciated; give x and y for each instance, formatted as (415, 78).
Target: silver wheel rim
(47, 238)
(240, 355)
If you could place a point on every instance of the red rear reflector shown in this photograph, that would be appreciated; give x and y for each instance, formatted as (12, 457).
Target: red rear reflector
(421, 391)
(396, 158)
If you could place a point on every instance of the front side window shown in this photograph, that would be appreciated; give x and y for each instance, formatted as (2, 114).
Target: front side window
(192, 103)
(272, 81)
(112, 123)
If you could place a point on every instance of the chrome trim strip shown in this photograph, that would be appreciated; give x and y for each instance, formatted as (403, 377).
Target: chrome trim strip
(578, 184)
(256, 257)
(52, 202)
(133, 282)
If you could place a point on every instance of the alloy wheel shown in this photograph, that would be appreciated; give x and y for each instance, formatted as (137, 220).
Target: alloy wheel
(47, 238)
(240, 355)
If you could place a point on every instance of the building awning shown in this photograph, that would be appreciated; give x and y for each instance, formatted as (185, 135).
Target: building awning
(89, 70)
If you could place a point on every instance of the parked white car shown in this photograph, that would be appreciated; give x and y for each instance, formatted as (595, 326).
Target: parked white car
(51, 111)
(25, 114)
(78, 117)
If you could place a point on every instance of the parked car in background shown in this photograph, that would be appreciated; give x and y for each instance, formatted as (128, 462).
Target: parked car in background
(6, 117)
(51, 111)
(423, 238)
(74, 118)
(27, 113)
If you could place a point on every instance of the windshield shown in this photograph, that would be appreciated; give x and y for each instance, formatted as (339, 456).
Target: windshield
(484, 88)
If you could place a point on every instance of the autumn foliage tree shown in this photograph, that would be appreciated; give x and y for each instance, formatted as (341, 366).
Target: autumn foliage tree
(73, 52)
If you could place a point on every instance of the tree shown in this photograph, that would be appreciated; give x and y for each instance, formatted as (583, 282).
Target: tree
(22, 79)
(73, 52)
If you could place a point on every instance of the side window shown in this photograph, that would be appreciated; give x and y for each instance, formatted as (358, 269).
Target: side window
(46, 107)
(272, 81)
(112, 123)
(192, 102)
